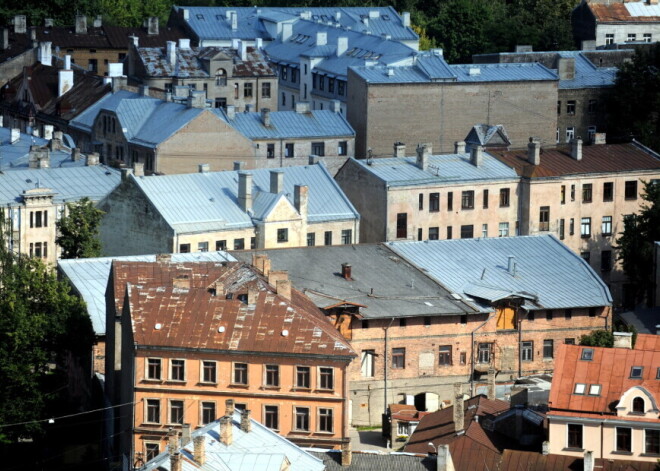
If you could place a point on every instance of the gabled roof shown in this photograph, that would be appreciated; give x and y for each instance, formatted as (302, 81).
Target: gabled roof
(610, 368)
(596, 159)
(260, 449)
(16, 155)
(625, 12)
(489, 136)
(209, 201)
(89, 277)
(106, 36)
(18, 44)
(463, 265)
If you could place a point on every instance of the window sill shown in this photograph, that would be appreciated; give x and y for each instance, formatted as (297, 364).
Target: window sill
(153, 381)
(325, 390)
(585, 236)
(320, 432)
(175, 381)
(271, 388)
(207, 383)
(650, 455)
(548, 359)
(150, 424)
(580, 450)
(622, 453)
(239, 386)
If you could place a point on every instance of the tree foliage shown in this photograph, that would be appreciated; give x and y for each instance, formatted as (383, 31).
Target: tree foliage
(598, 338)
(40, 322)
(79, 230)
(636, 243)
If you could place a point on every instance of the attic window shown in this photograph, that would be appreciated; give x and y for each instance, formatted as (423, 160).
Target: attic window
(587, 354)
(200, 16)
(580, 388)
(636, 372)
(386, 17)
(594, 390)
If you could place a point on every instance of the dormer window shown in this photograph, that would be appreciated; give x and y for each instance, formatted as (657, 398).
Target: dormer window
(636, 372)
(587, 354)
(638, 405)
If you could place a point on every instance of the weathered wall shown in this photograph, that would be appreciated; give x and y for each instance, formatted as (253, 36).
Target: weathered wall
(13, 67)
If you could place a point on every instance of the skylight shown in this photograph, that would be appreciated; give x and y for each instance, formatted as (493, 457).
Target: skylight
(587, 354)
(636, 372)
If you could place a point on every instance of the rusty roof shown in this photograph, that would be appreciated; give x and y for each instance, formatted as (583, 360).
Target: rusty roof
(515, 460)
(618, 13)
(607, 158)
(648, 342)
(106, 37)
(610, 368)
(194, 62)
(180, 297)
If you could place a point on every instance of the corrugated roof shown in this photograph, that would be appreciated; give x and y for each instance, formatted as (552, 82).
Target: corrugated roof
(442, 169)
(587, 75)
(567, 282)
(629, 12)
(68, 184)
(502, 72)
(376, 461)
(89, 277)
(15, 155)
(258, 450)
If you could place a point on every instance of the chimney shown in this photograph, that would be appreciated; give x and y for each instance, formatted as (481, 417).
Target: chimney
(230, 407)
(258, 44)
(125, 173)
(237, 165)
(185, 13)
(459, 415)
(20, 24)
(138, 169)
(48, 131)
(5, 38)
(226, 431)
(338, 15)
(252, 296)
(15, 135)
(234, 21)
(133, 41)
(235, 43)
(39, 157)
(164, 257)
(276, 275)
(477, 156)
(346, 454)
(321, 38)
(545, 448)
(599, 138)
(566, 68)
(335, 106)
(245, 191)
(119, 83)
(199, 451)
(184, 44)
(92, 159)
(243, 51)
(81, 24)
(283, 288)
(423, 152)
(313, 159)
(346, 271)
(75, 154)
(65, 77)
(287, 31)
(98, 21)
(246, 423)
(399, 149)
(459, 147)
(48, 22)
(203, 168)
(491, 384)
(172, 441)
(576, 148)
(45, 53)
(276, 181)
(175, 461)
(534, 152)
(589, 461)
(406, 18)
(444, 461)
(171, 53)
(152, 26)
(181, 282)
(265, 116)
(302, 107)
(623, 340)
(231, 113)
(342, 45)
(185, 434)
(144, 90)
(196, 99)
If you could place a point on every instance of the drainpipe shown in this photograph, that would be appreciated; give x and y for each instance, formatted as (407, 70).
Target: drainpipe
(385, 366)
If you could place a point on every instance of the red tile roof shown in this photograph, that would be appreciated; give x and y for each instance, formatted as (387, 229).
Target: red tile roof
(607, 158)
(609, 367)
(617, 13)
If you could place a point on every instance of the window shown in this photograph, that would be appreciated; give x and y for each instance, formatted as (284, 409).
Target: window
(398, 358)
(265, 90)
(592, 106)
(558, 107)
(571, 226)
(240, 373)
(608, 191)
(568, 314)
(325, 420)
(93, 65)
(220, 103)
(283, 99)
(303, 377)
(606, 260)
(484, 352)
(321, 82)
(548, 348)
(202, 246)
(342, 148)
(485, 199)
(401, 225)
(631, 190)
(403, 322)
(331, 85)
(271, 417)
(574, 435)
(450, 201)
(570, 133)
(340, 87)
(220, 245)
(609, 39)
(184, 248)
(467, 232)
(562, 229)
(247, 90)
(585, 228)
(586, 256)
(586, 193)
(467, 200)
(208, 412)
(505, 194)
(632, 37)
(302, 419)
(580, 388)
(591, 133)
(272, 376)
(208, 371)
(587, 354)
(270, 151)
(326, 378)
(636, 372)
(570, 107)
(648, 37)
(311, 239)
(153, 411)
(427, 321)
(569, 341)
(177, 370)
(318, 148)
(652, 441)
(327, 237)
(463, 358)
(346, 236)
(544, 218)
(434, 233)
(548, 315)
(449, 232)
(444, 357)
(572, 192)
(239, 244)
(594, 390)
(176, 412)
(283, 235)
(220, 78)
(367, 363)
(484, 230)
(504, 229)
(434, 202)
(151, 450)
(527, 351)
(289, 150)
(154, 368)
(624, 439)
(294, 75)
(38, 218)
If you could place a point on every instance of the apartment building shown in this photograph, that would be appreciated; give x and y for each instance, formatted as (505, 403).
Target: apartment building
(17, 49)
(200, 333)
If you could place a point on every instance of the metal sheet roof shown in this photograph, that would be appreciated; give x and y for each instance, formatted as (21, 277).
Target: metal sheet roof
(566, 282)
(519, 72)
(16, 155)
(89, 277)
(642, 8)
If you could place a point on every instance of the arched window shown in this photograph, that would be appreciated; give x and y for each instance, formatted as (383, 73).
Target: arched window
(638, 405)
(221, 77)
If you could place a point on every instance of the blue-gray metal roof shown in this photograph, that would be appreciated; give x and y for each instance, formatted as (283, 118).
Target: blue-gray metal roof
(502, 72)
(16, 155)
(290, 124)
(68, 184)
(201, 202)
(441, 170)
(89, 277)
(211, 23)
(587, 75)
(260, 449)
(545, 270)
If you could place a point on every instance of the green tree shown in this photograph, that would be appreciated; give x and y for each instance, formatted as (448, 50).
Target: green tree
(425, 42)
(598, 338)
(636, 244)
(40, 322)
(79, 230)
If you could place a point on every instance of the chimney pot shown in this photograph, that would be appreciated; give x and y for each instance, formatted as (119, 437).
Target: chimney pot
(226, 431)
(423, 152)
(175, 461)
(399, 149)
(199, 453)
(346, 271)
(230, 407)
(203, 168)
(246, 423)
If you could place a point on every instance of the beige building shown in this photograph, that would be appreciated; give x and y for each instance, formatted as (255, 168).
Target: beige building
(286, 207)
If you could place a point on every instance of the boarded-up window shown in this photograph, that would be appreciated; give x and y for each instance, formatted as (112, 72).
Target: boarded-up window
(506, 318)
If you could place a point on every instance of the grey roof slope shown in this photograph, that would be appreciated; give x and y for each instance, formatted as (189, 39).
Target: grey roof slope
(200, 202)
(260, 449)
(68, 184)
(442, 169)
(488, 135)
(16, 155)
(399, 288)
(547, 272)
(89, 277)
(377, 461)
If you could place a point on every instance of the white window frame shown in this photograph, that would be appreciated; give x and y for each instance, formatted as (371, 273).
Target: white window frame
(370, 365)
(169, 412)
(318, 420)
(318, 378)
(146, 369)
(201, 371)
(146, 410)
(503, 229)
(185, 372)
(570, 133)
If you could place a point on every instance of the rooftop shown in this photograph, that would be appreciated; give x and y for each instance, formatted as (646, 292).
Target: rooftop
(628, 12)
(376, 461)
(106, 36)
(16, 155)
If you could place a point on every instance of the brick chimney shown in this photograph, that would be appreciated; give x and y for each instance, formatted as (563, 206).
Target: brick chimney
(199, 450)
(252, 295)
(283, 288)
(138, 169)
(459, 414)
(246, 423)
(346, 271)
(185, 434)
(175, 461)
(245, 191)
(276, 181)
(81, 24)
(459, 147)
(444, 461)
(226, 431)
(399, 149)
(534, 151)
(346, 454)
(576, 148)
(172, 441)
(300, 200)
(476, 156)
(276, 275)
(181, 282)
(491, 384)
(423, 152)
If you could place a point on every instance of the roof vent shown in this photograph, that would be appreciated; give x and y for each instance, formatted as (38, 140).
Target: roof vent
(159, 326)
(221, 329)
(285, 333)
(474, 71)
